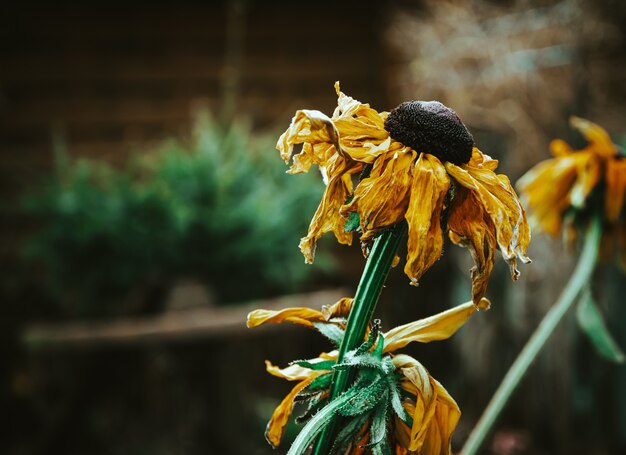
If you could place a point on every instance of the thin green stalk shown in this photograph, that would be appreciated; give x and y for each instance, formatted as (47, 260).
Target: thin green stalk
(365, 300)
(579, 279)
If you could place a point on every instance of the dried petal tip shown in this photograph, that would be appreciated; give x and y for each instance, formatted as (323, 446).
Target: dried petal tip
(431, 127)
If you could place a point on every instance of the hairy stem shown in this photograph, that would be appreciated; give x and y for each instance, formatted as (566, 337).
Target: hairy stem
(318, 422)
(365, 300)
(578, 280)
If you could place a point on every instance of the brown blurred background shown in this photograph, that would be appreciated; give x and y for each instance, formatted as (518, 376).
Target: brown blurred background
(145, 212)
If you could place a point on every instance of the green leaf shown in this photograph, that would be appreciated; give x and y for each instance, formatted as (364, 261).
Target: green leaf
(331, 331)
(349, 433)
(396, 400)
(591, 321)
(317, 366)
(378, 429)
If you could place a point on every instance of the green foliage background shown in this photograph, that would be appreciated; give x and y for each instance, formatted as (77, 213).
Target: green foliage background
(220, 210)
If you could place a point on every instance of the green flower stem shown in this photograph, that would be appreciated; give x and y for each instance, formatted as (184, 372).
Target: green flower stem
(579, 279)
(365, 300)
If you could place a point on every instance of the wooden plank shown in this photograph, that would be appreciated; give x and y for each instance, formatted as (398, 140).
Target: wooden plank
(172, 326)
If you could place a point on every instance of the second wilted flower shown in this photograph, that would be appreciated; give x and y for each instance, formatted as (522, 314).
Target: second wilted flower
(565, 192)
(416, 163)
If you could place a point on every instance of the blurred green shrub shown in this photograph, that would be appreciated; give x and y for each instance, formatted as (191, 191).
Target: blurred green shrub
(220, 210)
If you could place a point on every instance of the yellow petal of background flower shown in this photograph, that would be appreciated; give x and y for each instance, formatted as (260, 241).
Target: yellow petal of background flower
(302, 316)
(428, 191)
(559, 148)
(546, 188)
(597, 136)
(381, 199)
(470, 227)
(615, 189)
(437, 327)
(587, 178)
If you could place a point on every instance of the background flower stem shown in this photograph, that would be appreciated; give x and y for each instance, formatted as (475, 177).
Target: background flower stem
(365, 300)
(579, 279)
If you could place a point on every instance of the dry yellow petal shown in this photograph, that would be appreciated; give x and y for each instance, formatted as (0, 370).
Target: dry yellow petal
(503, 207)
(327, 217)
(469, 227)
(428, 191)
(299, 315)
(276, 425)
(381, 199)
(291, 373)
(307, 126)
(341, 309)
(437, 327)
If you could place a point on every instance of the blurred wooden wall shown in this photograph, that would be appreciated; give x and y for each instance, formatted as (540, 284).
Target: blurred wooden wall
(111, 78)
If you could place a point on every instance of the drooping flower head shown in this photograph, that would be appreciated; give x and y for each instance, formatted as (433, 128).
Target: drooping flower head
(416, 163)
(564, 192)
(395, 396)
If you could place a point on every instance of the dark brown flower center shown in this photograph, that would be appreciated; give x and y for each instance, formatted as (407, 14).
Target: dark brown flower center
(431, 127)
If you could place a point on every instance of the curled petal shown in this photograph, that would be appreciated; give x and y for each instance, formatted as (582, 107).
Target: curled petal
(301, 316)
(435, 413)
(447, 414)
(309, 127)
(503, 207)
(381, 199)
(327, 217)
(438, 327)
(428, 191)
(341, 309)
(276, 426)
(361, 129)
(470, 227)
(597, 136)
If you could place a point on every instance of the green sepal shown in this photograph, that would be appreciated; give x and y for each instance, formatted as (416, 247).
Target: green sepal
(591, 322)
(353, 222)
(396, 400)
(331, 331)
(365, 398)
(371, 339)
(321, 382)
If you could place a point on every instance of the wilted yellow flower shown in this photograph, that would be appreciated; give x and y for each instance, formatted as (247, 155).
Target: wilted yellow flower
(564, 192)
(433, 411)
(419, 163)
